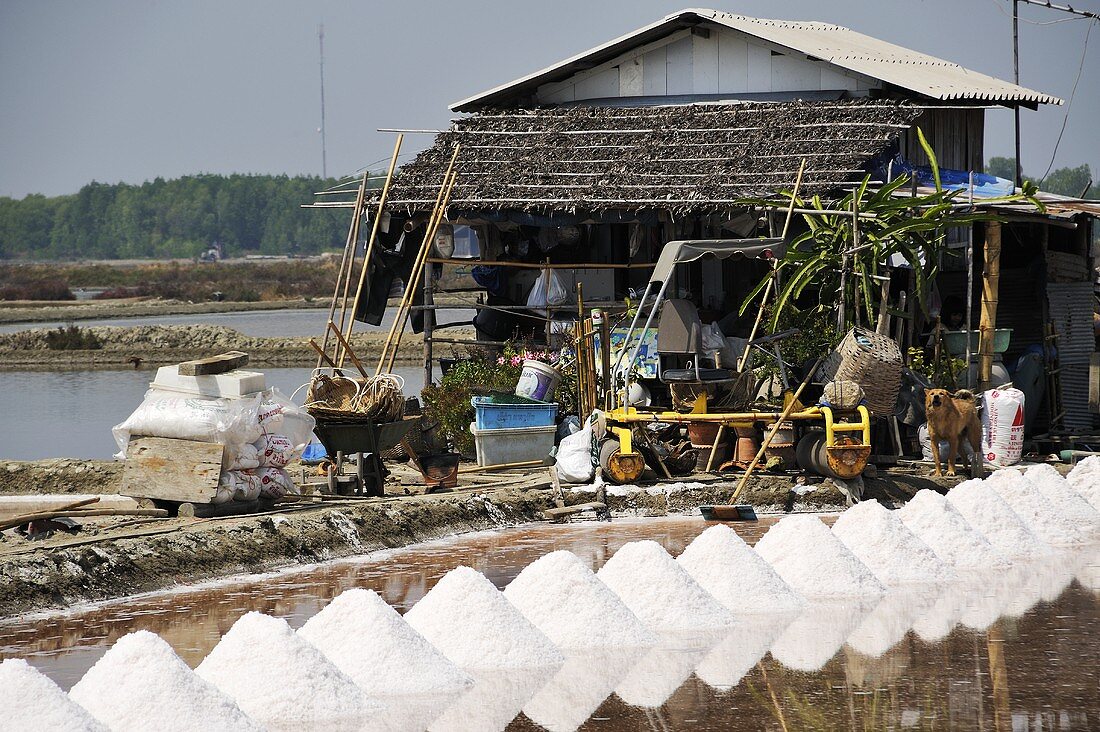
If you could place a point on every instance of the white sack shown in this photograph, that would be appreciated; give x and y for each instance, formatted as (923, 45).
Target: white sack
(1002, 426)
(167, 414)
(574, 458)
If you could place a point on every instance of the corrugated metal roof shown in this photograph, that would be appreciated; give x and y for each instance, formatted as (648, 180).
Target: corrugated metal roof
(901, 67)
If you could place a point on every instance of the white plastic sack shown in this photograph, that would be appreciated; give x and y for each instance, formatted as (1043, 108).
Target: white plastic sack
(278, 415)
(242, 457)
(167, 414)
(574, 458)
(926, 445)
(541, 295)
(274, 451)
(240, 485)
(1002, 426)
(275, 483)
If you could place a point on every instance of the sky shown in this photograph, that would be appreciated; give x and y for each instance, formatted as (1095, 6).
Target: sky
(121, 90)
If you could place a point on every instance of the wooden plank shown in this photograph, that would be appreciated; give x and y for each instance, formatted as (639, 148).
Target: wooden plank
(174, 470)
(1094, 383)
(557, 514)
(219, 364)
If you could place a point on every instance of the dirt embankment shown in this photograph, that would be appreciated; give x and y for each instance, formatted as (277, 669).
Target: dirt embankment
(76, 310)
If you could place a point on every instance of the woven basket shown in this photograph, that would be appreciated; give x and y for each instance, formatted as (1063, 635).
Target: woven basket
(871, 360)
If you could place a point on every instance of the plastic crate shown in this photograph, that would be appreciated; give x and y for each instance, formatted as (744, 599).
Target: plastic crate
(519, 445)
(495, 413)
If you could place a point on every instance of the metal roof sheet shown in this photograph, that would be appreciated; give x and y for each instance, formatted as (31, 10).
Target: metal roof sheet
(901, 67)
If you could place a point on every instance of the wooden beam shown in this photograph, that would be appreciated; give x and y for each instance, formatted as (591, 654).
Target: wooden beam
(220, 364)
(991, 277)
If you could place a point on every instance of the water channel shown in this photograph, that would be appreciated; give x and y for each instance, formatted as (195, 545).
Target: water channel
(1016, 651)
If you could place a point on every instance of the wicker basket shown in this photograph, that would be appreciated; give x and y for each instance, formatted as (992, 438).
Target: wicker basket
(871, 360)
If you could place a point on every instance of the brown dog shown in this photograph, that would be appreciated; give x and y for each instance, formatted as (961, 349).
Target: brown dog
(950, 416)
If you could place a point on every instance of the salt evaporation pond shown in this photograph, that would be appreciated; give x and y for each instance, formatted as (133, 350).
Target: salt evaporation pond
(1045, 645)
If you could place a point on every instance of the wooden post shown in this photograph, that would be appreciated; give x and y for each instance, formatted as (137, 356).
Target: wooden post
(991, 276)
(429, 323)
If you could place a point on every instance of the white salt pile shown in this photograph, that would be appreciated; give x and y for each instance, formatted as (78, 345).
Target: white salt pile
(819, 632)
(371, 643)
(141, 684)
(580, 687)
(1062, 497)
(564, 599)
(1085, 479)
(729, 569)
(280, 679)
(987, 512)
(475, 626)
(31, 701)
(814, 562)
(882, 541)
(1034, 509)
(735, 655)
(940, 526)
(659, 591)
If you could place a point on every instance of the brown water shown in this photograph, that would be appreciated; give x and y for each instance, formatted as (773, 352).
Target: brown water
(1013, 651)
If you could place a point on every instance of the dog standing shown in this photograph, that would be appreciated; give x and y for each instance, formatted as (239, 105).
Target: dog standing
(950, 417)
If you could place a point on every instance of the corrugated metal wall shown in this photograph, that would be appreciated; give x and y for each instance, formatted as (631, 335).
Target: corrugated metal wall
(1071, 312)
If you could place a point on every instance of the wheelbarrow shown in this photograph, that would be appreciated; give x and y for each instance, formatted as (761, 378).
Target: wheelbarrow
(366, 440)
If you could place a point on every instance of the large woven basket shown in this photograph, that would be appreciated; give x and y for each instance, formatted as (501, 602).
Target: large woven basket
(871, 360)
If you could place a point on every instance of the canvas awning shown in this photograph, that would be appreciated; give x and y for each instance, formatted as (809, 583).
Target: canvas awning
(676, 252)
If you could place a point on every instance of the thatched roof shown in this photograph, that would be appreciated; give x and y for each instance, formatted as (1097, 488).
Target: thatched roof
(685, 158)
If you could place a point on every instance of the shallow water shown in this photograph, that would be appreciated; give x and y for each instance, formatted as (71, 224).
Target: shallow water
(1018, 650)
(70, 413)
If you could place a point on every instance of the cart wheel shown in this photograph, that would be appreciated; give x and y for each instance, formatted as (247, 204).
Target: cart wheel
(620, 467)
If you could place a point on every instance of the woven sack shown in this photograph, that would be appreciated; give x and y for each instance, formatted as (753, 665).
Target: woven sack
(871, 360)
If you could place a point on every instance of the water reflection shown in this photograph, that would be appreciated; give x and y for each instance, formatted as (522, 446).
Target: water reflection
(818, 633)
(580, 687)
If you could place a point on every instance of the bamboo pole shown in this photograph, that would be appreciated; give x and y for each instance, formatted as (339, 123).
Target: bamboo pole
(341, 277)
(20, 520)
(370, 247)
(322, 357)
(991, 278)
(714, 447)
(347, 350)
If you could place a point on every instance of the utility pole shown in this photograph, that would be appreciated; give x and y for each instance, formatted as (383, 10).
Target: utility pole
(324, 158)
(1016, 80)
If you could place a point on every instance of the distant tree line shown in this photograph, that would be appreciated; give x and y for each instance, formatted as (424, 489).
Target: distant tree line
(1076, 182)
(246, 214)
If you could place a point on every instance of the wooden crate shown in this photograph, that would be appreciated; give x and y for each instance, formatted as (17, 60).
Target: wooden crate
(184, 471)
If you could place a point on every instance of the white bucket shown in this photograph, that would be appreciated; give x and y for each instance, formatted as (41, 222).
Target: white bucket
(538, 381)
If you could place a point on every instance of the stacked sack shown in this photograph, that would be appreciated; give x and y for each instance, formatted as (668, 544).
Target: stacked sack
(262, 434)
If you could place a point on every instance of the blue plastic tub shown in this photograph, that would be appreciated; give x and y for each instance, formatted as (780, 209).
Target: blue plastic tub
(496, 413)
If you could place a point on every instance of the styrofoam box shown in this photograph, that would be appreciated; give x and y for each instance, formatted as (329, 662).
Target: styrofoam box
(514, 445)
(237, 383)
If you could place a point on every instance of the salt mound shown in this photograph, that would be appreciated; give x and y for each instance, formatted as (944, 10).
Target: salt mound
(371, 643)
(728, 568)
(987, 512)
(1085, 479)
(141, 684)
(1033, 508)
(259, 650)
(814, 562)
(659, 591)
(31, 701)
(940, 526)
(564, 599)
(882, 541)
(475, 626)
(1063, 498)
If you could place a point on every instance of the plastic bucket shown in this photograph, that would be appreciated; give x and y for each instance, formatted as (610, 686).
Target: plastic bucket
(538, 381)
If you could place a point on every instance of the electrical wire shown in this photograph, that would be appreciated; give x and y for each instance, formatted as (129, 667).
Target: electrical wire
(1007, 14)
(1069, 103)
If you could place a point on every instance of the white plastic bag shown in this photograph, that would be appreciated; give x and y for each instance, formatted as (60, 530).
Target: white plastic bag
(542, 295)
(242, 457)
(168, 414)
(574, 459)
(926, 445)
(278, 415)
(240, 485)
(1002, 426)
(275, 483)
(274, 450)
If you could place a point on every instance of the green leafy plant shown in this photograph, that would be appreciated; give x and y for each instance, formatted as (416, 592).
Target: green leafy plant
(943, 372)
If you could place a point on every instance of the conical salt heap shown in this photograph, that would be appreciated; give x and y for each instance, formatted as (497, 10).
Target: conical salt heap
(473, 624)
(1034, 509)
(371, 643)
(1085, 479)
(661, 592)
(728, 568)
(280, 679)
(1063, 497)
(882, 541)
(564, 599)
(814, 562)
(940, 526)
(31, 701)
(140, 684)
(987, 512)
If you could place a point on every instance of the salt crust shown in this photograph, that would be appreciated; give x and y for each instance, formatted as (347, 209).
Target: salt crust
(370, 642)
(940, 526)
(990, 514)
(580, 687)
(473, 624)
(814, 562)
(564, 599)
(1061, 495)
(141, 684)
(729, 569)
(260, 649)
(659, 591)
(1034, 509)
(819, 632)
(1085, 479)
(881, 540)
(31, 701)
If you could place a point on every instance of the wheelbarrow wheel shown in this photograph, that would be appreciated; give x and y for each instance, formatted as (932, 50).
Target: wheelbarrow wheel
(619, 467)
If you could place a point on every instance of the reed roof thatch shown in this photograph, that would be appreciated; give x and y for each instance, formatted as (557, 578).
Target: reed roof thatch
(685, 158)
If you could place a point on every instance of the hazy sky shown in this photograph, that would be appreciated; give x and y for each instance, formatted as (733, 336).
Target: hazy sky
(127, 91)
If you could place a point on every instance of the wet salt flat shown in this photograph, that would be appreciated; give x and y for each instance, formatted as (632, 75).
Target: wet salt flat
(1016, 649)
